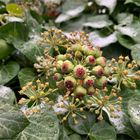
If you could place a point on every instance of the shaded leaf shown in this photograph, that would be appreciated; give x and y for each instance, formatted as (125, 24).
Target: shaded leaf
(102, 131)
(137, 2)
(26, 75)
(8, 72)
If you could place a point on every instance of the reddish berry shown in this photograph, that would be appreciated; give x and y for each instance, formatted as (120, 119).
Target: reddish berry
(69, 82)
(57, 77)
(79, 71)
(90, 60)
(101, 61)
(98, 71)
(91, 91)
(88, 82)
(67, 66)
(80, 91)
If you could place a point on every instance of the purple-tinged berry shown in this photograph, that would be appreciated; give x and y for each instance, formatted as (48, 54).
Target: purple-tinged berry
(57, 77)
(80, 72)
(88, 82)
(80, 92)
(101, 61)
(69, 82)
(67, 66)
(98, 71)
(90, 60)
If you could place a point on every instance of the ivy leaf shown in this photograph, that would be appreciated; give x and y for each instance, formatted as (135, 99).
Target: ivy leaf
(137, 2)
(126, 41)
(131, 30)
(26, 75)
(84, 125)
(135, 53)
(8, 72)
(43, 126)
(7, 94)
(14, 9)
(102, 131)
(100, 41)
(75, 137)
(30, 49)
(12, 121)
(99, 21)
(134, 112)
(110, 4)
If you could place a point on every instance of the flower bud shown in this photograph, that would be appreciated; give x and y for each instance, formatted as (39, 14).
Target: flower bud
(91, 91)
(80, 71)
(101, 61)
(101, 82)
(67, 66)
(57, 77)
(98, 71)
(88, 82)
(69, 82)
(80, 91)
(90, 60)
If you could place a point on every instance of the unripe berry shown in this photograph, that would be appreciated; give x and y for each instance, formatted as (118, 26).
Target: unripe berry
(78, 54)
(107, 71)
(59, 64)
(80, 91)
(67, 66)
(61, 57)
(98, 71)
(88, 82)
(69, 82)
(101, 61)
(57, 77)
(98, 52)
(80, 72)
(101, 82)
(90, 60)
(60, 84)
(77, 47)
(91, 91)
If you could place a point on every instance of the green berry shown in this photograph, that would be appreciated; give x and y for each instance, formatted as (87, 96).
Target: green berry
(61, 57)
(77, 47)
(80, 92)
(59, 64)
(91, 91)
(90, 60)
(57, 77)
(101, 82)
(101, 61)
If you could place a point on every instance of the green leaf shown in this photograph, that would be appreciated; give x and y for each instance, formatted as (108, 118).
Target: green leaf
(63, 133)
(137, 2)
(14, 30)
(125, 18)
(84, 125)
(98, 40)
(43, 126)
(99, 21)
(30, 49)
(136, 53)
(75, 137)
(131, 30)
(14, 9)
(102, 131)
(12, 121)
(126, 41)
(134, 112)
(110, 4)
(26, 75)
(8, 72)
(7, 94)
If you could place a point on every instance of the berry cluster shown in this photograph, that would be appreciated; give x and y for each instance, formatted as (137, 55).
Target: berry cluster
(81, 76)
